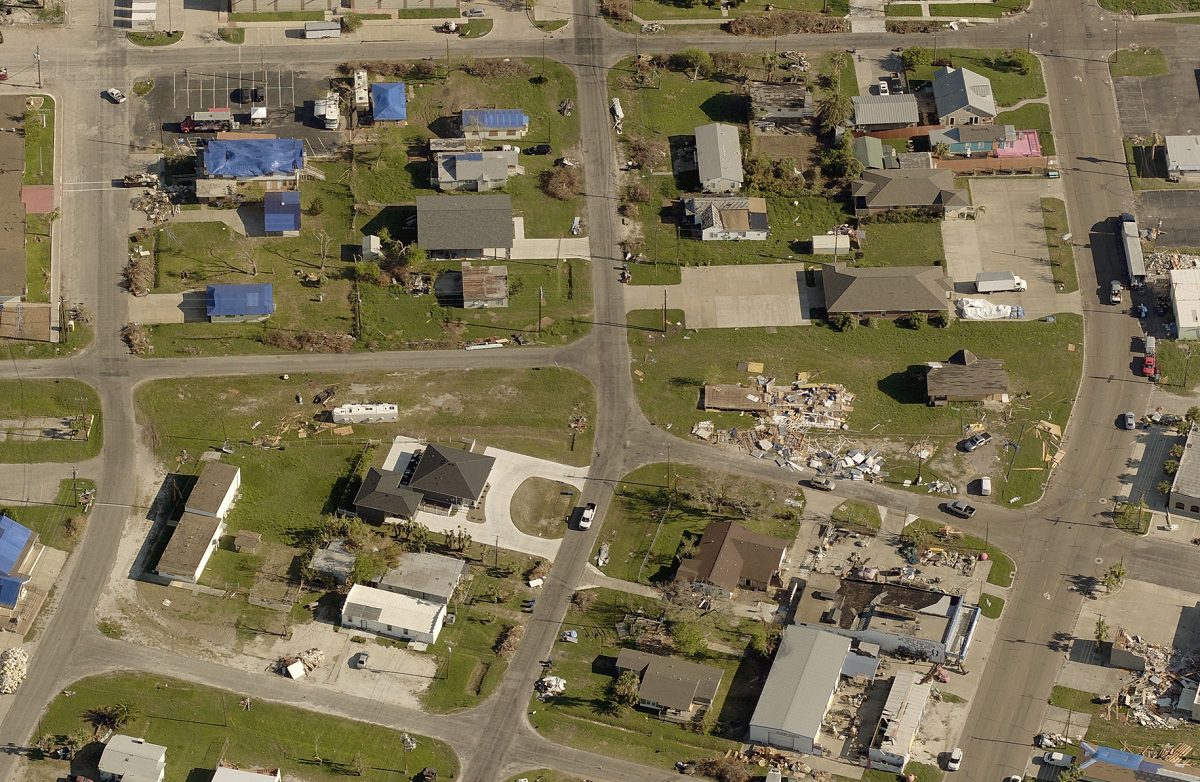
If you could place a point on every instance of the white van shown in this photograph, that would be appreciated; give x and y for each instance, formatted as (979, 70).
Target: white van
(1151, 344)
(985, 486)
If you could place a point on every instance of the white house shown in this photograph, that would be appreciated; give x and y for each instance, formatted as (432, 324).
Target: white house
(719, 158)
(215, 489)
(192, 542)
(132, 760)
(228, 774)
(393, 614)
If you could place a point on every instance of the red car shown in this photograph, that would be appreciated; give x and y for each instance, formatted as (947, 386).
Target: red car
(1149, 366)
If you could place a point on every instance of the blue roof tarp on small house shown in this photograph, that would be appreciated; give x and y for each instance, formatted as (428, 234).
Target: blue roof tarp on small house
(497, 119)
(281, 211)
(10, 590)
(237, 300)
(389, 102)
(13, 539)
(254, 157)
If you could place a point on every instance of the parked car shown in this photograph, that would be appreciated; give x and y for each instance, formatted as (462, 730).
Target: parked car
(1114, 292)
(589, 513)
(1149, 366)
(883, 87)
(115, 95)
(1060, 759)
(960, 508)
(474, 13)
(359, 660)
(956, 756)
(1128, 421)
(538, 149)
(821, 482)
(976, 442)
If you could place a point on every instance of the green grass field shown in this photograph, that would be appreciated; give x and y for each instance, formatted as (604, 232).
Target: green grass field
(1032, 116)
(1062, 255)
(21, 400)
(991, 606)
(201, 726)
(1008, 85)
(39, 143)
(1149, 61)
(643, 541)
(51, 520)
(37, 257)
(690, 9)
(993, 10)
(875, 364)
(858, 514)
(1151, 6)
(903, 9)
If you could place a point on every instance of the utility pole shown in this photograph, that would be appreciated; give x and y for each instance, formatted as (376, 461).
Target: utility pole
(664, 310)
(541, 301)
(37, 56)
(74, 485)
(1029, 46)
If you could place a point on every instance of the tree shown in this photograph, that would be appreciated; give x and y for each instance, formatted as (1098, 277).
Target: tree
(623, 690)
(1101, 631)
(1019, 60)
(1164, 487)
(582, 600)
(730, 63)
(414, 535)
(324, 240)
(368, 566)
(838, 61)
(415, 256)
(316, 206)
(366, 271)
(916, 57)
(696, 61)
(1171, 466)
(1114, 576)
(834, 108)
(941, 150)
(688, 639)
(940, 320)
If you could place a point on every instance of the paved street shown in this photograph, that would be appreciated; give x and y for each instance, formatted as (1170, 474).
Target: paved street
(1062, 535)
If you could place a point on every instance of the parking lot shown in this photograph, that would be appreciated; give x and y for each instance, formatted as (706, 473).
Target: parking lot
(1167, 104)
(1008, 235)
(287, 94)
(1177, 209)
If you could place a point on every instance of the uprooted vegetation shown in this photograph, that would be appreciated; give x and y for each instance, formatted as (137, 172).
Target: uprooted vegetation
(786, 23)
(562, 182)
(309, 341)
(619, 10)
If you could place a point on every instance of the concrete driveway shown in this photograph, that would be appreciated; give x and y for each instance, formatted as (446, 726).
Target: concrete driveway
(547, 249)
(187, 307)
(1009, 236)
(722, 297)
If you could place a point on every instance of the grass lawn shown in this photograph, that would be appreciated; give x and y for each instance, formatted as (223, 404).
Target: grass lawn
(37, 257)
(286, 490)
(386, 174)
(858, 514)
(427, 13)
(491, 602)
(1149, 61)
(1003, 569)
(689, 9)
(541, 507)
(157, 38)
(50, 520)
(991, 606)
(1147, 168)
(476, 28)
(1131, 518)
(1120, 730)
(993, 10)
(67, 399)
(1032, 116)
(903, 9)
(551, 26)
(1008, 85)
(1072, 699)
(278, 16)
(142, 87)
(903, 244)
(236, 35)
(878, 365)
(202, 725)
(582, 717)
(643, 542)
(1175, 366)
(39, 143)
(1062, 255)
(1151, 6)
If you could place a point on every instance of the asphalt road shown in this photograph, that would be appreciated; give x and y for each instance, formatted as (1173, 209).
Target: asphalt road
(1059, 537)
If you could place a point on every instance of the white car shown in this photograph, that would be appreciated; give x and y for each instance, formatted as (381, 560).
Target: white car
(955, 760)
(1060, 759)
(883, 87)
(115, 95)
(589, 513)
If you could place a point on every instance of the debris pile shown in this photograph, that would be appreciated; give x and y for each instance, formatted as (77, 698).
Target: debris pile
(549, 686)
(652, 27)
(14, 663)
(762, 756)
(795, 61)
(299, 664)
(155, 201)
(1163, 261)
(1167, 682)
(137, 337)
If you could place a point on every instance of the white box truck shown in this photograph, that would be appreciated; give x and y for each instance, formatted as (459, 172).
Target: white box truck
(322, 29)
(999, 282)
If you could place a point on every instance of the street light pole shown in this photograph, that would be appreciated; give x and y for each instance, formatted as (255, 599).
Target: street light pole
(37, 56)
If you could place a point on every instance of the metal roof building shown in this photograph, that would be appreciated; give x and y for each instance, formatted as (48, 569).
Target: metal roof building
(493, 123)
(389, 102)
(1185, 300)
(803, 681)
(281, 212)
(885, 111)
(899, 723)
(719, 158)
(133, 760)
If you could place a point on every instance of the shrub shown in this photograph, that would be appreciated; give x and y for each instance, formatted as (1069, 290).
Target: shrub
(562, 182)
(895, 26)
(913, 320)
(1170, 467)
(844, 321)
(491, 67)
(940, 320)
(785, 23)
(316, 206)
(620, 10)
(645, 152)
(352, 23)
(366, 271)
(724, 770)
(916, 56)
(638, 192)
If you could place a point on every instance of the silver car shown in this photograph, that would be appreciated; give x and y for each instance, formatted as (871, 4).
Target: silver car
(474, 13)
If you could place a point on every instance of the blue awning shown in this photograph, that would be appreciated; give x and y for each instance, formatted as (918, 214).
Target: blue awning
(10, 590)
(281, 211)
(237, 300)
(13, 539)
(389, 102)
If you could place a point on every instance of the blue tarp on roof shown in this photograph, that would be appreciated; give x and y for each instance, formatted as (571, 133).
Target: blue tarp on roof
(389, 102)
(254, 157)
(10, 590)
(281, 211)
(13, 538)
(234, 300)
(494, 118)
(1113, 757)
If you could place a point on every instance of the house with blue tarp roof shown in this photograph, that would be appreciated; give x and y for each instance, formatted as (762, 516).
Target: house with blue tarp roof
(18, 544)
(240, 303)
(493, 123)
(281, 213)
(271, 163)
(389, 102)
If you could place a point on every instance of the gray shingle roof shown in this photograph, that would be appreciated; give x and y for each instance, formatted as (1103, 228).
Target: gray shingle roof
(885, 110)
(464, 222)
(451, 472)
(908, 187)
(383, 490)
(490, 166)
(718, 152)
(1187, 477)
(671, 682)
(960, 88)
(884, 288)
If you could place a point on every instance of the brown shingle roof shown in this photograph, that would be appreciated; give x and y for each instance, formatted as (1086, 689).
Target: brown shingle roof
(884, 288)
(729, 553)
(965, 376)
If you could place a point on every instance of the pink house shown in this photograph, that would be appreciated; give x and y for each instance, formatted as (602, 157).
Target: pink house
(1025, 144)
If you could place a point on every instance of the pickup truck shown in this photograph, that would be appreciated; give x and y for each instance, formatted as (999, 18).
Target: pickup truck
(589, 513)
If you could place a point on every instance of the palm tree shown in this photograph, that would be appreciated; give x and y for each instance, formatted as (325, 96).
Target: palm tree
(941, 149)
(834, 109)
(837, 65)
